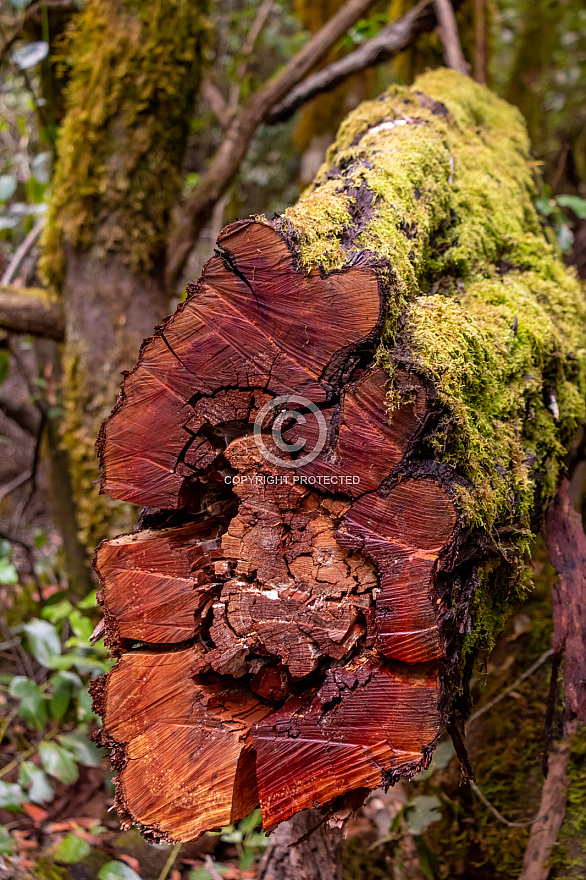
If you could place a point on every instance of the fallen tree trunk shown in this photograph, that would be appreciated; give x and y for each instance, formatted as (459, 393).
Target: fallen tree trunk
(343, 440)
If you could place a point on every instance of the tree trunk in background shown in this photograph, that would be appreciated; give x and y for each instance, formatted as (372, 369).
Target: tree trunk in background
(62, 506)
(302, 613)
(134, 76)
(315, 858)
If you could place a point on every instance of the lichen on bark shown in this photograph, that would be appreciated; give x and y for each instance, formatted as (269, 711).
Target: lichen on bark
(437, 182)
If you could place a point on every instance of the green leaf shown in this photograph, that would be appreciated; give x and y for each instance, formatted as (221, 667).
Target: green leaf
(7, 842)
(422, 812)
(44, 641)
(33, 705)
(8, 573)
(58, 762)
(4, 365)
(90, 601)
(90, 664)
(7, 187)
(204, 874)
(83, 749)
(84, 707)
(35, 780)
(545, 206)
(59, 611)
(441, 758)
(81, 626)
(250, 822)
(565, 238)
(11, 796)
(574, 203)
(63, 683)
(247, 858)
(117, 871)
(71, 850)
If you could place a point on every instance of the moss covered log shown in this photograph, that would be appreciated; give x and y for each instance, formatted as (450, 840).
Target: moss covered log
(348, 433)
(135, 70)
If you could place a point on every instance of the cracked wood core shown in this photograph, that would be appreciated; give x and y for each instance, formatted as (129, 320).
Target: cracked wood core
(275, 618)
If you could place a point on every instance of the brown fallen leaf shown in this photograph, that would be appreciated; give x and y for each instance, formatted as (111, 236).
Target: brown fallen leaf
(37, 814)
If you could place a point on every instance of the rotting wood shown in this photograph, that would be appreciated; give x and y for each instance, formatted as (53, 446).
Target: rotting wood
(297, 616)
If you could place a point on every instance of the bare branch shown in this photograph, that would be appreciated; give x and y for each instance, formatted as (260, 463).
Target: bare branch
(549, 819)
(383, 47)
(217, 103)
(21, 252)
(224, 166)
(253, 35)
(448, 34)
(29, 310)
(27, 417)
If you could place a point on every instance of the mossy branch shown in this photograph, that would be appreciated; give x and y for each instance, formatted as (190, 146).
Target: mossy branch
(29, 310)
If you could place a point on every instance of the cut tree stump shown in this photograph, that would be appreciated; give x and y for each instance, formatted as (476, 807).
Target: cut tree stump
(342, 440)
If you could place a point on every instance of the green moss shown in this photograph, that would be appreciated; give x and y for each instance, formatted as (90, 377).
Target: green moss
(481, 304)
(135, 75)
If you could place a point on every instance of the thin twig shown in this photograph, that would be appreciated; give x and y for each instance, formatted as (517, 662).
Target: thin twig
(210, 866)
(23, 657)
(22, 251)
(34, 469)
(170, 861)
(259, 22)
(494, 810)
(528, 672)
(448, 34)
(217, 103)
(14, 484)
(26, 754)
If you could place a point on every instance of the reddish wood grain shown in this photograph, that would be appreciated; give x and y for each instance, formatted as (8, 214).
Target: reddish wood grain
(304, 591)
(157, 584)
(252, 333)
(364, 724)
(188, 761)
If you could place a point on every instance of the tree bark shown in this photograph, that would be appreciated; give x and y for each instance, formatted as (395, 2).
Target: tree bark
(134, 75)
(347, 433)
(315, 858)
(31, 311)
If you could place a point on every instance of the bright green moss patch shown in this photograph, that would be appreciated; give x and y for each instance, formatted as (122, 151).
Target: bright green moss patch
(135, 74)
(440, 188)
